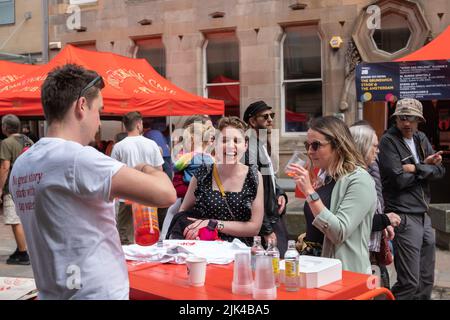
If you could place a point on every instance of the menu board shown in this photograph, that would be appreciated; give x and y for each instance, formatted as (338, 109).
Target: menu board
(390, 81)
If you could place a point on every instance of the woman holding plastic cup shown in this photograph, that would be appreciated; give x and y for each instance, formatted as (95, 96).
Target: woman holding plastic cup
(347, 223)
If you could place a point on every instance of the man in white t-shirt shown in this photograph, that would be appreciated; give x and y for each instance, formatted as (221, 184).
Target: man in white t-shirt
(132, 150)
(63, 191)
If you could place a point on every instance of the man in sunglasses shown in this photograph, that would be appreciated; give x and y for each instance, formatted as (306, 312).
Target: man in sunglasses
(64, 190)
(407, 163)
(259, 116)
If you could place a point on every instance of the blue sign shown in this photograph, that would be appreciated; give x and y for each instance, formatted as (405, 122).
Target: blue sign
(391, 81)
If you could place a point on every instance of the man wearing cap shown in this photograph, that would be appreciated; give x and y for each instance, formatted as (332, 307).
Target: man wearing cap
(259, 117)
(407, 164)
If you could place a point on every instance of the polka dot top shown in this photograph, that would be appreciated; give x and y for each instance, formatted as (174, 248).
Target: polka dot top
(209, 203)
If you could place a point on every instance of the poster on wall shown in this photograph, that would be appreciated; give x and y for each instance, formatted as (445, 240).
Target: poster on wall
(391, 81)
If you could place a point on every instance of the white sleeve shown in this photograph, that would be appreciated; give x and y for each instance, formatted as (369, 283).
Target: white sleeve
(115, 152)
(93, 173)
(156, 157)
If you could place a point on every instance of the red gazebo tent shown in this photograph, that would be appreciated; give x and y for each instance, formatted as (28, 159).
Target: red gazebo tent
(131, 85)
(10, 72)
(438, 49)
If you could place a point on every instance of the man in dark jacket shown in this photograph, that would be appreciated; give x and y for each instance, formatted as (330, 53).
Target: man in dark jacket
(259, 117)
(407, 164)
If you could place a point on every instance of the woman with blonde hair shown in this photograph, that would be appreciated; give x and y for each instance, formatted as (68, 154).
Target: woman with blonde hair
(347, 223)
(366, 142)
(193, 154)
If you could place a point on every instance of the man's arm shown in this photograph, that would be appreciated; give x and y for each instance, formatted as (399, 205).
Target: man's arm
(4, 171)
(429, 170)
(143, 184)
(391, 166)
(281, 193)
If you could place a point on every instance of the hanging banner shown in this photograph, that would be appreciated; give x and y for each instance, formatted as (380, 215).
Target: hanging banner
(391, 81)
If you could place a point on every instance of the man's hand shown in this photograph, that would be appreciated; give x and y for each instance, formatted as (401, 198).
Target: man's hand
(389, 233)
(281, 204)
(409, 168)
(394, 219)
(434, 159)
(272, 236)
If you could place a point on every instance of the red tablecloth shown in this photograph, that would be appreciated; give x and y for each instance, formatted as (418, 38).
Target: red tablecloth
(169, 281)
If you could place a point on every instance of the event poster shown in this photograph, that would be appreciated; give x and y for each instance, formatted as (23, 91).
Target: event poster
(390, 81)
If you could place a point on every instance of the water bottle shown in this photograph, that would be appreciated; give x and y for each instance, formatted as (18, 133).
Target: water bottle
(273, 252)
(257, 250)
(291, 272)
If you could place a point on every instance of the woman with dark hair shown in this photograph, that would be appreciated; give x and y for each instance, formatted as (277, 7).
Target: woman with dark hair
(228, 195)
(347, 223)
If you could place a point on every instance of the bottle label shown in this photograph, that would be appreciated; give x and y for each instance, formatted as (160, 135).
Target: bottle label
(276, 265)
(291, 269)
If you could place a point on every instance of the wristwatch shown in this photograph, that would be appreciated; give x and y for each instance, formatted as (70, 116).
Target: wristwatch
(212, 224)
(220, 225)
(313, 197)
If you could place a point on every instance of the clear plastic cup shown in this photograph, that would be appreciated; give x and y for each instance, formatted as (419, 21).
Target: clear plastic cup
(196, 270)
(298, 158)
(264, 287)
(242, 274)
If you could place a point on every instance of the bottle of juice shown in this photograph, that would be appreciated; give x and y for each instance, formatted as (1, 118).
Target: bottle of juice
(273, 252)
(145, 221)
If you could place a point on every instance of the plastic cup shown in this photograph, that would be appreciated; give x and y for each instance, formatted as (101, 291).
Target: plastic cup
(242, 274)
(196, 270)
(298, 158)
(264, 287)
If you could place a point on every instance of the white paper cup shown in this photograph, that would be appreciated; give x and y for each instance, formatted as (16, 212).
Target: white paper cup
(196, 270)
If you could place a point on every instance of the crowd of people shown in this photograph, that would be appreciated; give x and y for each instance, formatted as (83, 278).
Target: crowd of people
(59, 194)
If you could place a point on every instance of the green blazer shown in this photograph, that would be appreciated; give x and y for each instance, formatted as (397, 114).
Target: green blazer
(348, 223)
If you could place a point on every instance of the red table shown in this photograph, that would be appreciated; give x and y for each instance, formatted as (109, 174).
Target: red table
(169, 281)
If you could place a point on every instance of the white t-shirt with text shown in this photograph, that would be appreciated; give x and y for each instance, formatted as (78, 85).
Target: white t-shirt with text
(61, 190)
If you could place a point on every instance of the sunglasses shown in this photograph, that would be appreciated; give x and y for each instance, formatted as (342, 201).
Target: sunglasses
(408, 118)
(266, 116)
(315, 145)
(89, 85)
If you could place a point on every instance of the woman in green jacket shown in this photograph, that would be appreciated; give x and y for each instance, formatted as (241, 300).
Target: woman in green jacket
(347, 224)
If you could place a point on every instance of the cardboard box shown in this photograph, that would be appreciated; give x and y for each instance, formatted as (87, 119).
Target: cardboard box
(315, 272)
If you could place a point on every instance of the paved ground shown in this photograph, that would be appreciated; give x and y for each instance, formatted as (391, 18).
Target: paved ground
(8, 245)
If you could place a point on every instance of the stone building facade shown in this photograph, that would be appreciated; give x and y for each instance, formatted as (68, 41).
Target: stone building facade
(21, 30)
(268, 36)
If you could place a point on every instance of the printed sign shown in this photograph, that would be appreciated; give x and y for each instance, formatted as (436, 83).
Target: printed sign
(391, 81)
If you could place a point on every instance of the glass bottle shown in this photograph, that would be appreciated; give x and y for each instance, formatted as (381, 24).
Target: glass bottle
(273, 252)
(291, 272)
(256, 250)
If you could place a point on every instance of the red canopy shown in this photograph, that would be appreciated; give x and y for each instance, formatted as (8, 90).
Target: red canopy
(131, 85)
(10, 72)
(438, 49)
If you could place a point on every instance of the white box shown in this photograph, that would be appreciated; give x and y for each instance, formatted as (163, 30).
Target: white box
(316, 272)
